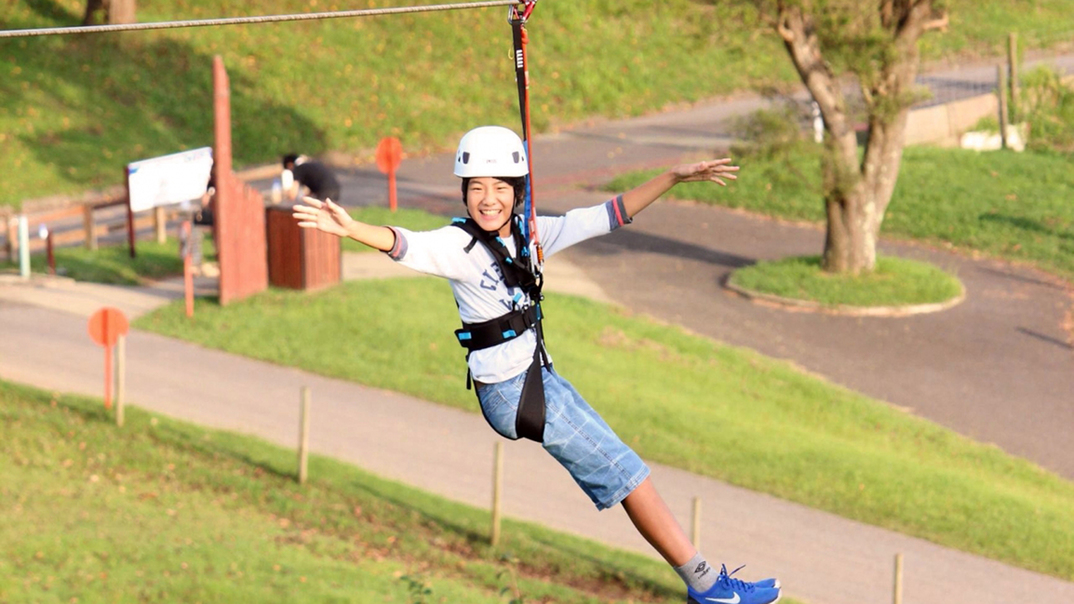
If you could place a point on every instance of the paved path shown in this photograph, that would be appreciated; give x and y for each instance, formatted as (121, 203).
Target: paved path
(996, 368)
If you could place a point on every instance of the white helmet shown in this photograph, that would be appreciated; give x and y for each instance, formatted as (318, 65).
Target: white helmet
(491, 151)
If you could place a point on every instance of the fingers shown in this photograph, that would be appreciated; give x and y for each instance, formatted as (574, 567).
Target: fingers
(312, 201)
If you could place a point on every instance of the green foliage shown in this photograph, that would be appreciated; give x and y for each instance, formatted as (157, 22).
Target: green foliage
(769, 134)
(1047, 104)
(418, 589)
(895, 282)
(781, 431)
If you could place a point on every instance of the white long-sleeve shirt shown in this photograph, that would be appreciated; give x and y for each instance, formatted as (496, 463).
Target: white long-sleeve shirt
(479, 287)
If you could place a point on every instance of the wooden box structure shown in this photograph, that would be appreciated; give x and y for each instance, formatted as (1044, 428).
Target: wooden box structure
(300, 258)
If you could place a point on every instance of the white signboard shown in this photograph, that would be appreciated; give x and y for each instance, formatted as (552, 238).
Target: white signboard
(169, 179)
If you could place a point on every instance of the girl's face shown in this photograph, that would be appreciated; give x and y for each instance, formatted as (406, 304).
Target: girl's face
(490, 202)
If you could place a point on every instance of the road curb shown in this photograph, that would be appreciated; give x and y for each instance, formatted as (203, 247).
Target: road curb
(844, 309)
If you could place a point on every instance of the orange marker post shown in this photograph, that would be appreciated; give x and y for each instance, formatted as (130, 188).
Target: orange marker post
(105, 327)
(389, 156)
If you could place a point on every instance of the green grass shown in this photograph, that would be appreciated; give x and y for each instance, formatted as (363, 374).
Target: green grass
(1007, 205)
(164, 511)
(781, 431)
(895, 282)
(415, 220)
(75, 109)
(113, 265)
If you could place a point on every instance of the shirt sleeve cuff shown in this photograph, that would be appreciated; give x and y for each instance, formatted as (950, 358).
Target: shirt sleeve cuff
(398, 250)
(617, 214)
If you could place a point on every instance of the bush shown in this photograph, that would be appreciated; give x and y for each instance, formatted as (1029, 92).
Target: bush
(1047, 104)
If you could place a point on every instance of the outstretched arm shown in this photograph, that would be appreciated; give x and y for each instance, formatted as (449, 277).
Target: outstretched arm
(330, 218)
(717, 171)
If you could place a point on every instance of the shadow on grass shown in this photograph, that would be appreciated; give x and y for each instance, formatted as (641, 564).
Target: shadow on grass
(1027, 224)
(132, 95)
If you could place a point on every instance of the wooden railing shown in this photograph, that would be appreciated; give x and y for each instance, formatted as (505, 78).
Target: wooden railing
(92, 227)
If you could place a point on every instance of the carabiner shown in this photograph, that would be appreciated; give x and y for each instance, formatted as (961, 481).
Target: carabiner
(513, 14)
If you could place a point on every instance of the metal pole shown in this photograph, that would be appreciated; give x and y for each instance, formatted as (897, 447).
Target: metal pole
(497, 491)
(304, 436)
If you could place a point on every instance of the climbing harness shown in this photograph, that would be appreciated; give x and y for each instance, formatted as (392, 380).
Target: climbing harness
(529, 421)
(523, 272)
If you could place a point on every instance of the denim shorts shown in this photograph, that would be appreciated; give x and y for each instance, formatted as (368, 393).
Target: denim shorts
(605, 468)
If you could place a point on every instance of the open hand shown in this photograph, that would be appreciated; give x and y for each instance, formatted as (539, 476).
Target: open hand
(718, 171)
(322, 215)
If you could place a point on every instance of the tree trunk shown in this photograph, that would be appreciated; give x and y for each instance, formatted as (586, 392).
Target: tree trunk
(853, 224)
(857, 192)
(92, 7)
(115, 11)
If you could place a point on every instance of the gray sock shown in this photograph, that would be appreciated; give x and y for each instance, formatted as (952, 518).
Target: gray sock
(697, 573)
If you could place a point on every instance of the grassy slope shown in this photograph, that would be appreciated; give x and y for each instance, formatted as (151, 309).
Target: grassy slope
(74, 110)
(779, 430)
(163, 511)
(1010, 205)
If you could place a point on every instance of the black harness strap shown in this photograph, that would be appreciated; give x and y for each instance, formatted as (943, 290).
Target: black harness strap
(529, 422)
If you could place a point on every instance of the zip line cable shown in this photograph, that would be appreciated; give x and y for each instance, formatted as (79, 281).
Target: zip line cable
(370, 12)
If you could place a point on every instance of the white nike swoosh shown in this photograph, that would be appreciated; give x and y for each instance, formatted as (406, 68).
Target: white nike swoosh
(734, 600)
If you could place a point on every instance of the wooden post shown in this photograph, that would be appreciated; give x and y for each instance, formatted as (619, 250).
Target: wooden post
(898, 579)
(497, 491)
(1001, 77)
(130, 211)
(696, 524)
(160, 223)
(304, 436)
(1012, 69)
(121, 377)
(50, 257)
(89, 227)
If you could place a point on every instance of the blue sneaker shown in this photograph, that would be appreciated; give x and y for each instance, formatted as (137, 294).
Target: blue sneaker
(735, 591)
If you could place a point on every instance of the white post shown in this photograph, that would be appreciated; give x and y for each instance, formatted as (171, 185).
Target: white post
(24, 247)
(818, 124)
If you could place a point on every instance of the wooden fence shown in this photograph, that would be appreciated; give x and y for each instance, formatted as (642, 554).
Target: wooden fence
(92, 227)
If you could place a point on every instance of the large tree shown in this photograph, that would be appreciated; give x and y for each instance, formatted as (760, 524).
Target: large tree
(115, 11)
(876, 41)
